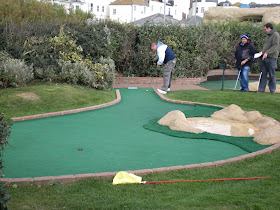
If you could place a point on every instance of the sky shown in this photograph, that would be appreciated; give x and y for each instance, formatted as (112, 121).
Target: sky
(256, 1)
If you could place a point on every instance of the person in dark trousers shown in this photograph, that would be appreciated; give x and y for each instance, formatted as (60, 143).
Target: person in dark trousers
(244, 56)
(268, 62)
(165, 56)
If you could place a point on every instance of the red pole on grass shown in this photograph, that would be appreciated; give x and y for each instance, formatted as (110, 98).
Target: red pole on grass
(203, 180)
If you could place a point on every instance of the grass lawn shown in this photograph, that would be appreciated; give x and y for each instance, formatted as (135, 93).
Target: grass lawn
(277, 73)
(43, 98)
(247, 194)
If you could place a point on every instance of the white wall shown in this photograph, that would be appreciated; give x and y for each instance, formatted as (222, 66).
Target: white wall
(121, 13)
(99, 8)
(199, 8)
(158, 7)
(181, 6)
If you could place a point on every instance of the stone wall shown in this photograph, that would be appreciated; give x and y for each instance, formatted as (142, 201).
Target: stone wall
(263, 15)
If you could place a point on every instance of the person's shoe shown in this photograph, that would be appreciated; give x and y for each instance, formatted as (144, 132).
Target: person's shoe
(168, 89)
(161, 91)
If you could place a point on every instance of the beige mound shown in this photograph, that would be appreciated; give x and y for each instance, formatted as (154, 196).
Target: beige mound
(231, 113)
(176, 120)
(253, 115)
(230, 121)
(263, 122)
(268, 136)
(253, 86)
(29, 96)
(171, 116)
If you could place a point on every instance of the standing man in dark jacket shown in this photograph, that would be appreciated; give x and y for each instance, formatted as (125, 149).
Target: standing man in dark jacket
(165, 56)
(268, 62)
(244, 56)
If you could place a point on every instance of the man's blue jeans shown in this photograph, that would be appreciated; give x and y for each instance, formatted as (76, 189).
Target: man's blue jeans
(244, 78)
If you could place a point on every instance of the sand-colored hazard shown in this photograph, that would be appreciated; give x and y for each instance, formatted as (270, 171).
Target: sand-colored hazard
(230, 121)
(253, 86)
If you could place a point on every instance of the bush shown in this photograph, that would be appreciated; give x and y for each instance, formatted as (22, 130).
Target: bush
(98, 75)
(4, 136)
(198, 49)
(105, 70)
(76, 73)
(33, 10)
(15, 73)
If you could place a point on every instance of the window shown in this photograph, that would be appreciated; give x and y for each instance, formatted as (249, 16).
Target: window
(152, 8)
(202, 9)
(196, 10)
(97, 8)
(169, 11)
(134, 8)
(160, 9)
(77, 7)
(91, 7)
(114, 11)
(102, 8)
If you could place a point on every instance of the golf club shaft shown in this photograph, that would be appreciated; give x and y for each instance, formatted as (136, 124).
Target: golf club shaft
(259, 80)
(237, 79)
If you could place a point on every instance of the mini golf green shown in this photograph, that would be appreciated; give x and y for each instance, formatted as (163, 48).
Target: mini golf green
(106, 140)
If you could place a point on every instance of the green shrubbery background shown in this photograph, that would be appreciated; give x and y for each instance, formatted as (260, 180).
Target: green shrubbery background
(62, 47)
(198, 49)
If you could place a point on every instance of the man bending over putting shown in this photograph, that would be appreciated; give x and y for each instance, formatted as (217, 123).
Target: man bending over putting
(166, 56)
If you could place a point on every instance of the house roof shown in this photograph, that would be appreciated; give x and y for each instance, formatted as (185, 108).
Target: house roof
(225, 2)
(130, 2)
(155, 19)
(194, 20)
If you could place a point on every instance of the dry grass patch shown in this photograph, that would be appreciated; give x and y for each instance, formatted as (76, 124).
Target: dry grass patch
(29, 96)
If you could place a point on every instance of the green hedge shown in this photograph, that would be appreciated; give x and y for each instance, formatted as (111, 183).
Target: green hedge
(4, 137)
(198, 49)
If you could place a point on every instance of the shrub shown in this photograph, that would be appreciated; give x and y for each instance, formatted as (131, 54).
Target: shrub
(98, 75)
(46, 74)
(4, 56)
(21, 10)
(105, 71)
(15, 73)
(198, 49)
(76, 73)
(4, 136)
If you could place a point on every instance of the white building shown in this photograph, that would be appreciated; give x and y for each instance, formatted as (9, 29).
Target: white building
(71, 4)
(99, 8)
(200, 6)
(126, 11)
(181, 9)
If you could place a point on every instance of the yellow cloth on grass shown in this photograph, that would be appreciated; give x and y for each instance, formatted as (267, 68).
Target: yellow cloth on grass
(123, 177)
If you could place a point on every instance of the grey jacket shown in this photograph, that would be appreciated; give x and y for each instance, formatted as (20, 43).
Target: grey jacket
(272, 44)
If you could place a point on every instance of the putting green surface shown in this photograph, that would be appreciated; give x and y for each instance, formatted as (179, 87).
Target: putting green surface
(106, 140)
